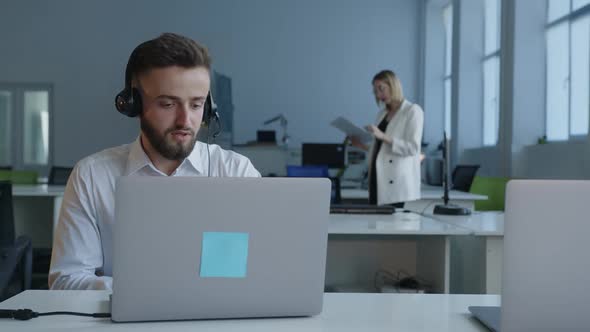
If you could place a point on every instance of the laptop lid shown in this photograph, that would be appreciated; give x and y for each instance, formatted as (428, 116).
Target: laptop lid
(546, 270)
(192, 248)
(488, 316)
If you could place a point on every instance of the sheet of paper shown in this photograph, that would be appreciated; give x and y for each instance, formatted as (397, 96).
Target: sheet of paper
(350, 129)
(224, 255)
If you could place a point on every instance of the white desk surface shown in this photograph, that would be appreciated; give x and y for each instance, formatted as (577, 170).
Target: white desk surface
(37, 190)
(427, 193)
(342, 312)
(488, 223)
(435, 192)
(395, 224)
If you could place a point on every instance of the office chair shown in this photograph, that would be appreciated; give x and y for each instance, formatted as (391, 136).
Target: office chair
(16, 255)
(462, 177)
(336, 196)
(19, 177)
(308, 171)
(494, 188)
(59, 175)
(317, 172)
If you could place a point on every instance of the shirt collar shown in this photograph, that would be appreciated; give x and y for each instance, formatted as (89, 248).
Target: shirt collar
(404, 105)
(138, 159)
(196, 157)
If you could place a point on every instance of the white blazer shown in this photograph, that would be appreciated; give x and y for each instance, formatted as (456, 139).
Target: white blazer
(398, 164)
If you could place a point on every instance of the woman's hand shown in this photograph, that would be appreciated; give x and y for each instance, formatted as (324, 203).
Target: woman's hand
(356, 142)
(378, 134)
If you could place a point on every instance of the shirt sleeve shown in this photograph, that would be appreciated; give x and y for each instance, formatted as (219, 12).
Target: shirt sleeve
(77, 249)
(410, 143)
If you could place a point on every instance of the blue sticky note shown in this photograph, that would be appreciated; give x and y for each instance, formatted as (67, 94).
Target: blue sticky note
(224, 255)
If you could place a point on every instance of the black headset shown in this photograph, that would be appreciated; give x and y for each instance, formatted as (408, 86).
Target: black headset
(128, 101)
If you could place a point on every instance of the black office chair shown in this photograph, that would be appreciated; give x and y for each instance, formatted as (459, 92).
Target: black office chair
(59, 175)
(336, 196)
(462, 177)
(16, 254)
(42, 256)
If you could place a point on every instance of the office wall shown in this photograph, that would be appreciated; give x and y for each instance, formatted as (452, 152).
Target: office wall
(310, 60)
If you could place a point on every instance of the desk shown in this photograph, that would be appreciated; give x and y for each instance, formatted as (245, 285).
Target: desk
(432, 246)
(460, 254)
(32, 206)
(360, 245)
(480, 254)
(342, 312)
(430, 195)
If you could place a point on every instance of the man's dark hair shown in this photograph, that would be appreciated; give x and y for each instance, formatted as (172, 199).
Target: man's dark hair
(169, 49)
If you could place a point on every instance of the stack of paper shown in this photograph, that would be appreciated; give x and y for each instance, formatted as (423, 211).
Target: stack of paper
(350, 129)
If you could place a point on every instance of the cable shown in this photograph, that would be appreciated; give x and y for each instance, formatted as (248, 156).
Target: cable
(27, 314)
(208, 155)
(421, 213)
(384, 276)
(215, 134)
(219, 126)
(94, 315)
(427, 206)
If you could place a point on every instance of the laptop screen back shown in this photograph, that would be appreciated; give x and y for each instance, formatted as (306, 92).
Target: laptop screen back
(195, 247)
(546, 269)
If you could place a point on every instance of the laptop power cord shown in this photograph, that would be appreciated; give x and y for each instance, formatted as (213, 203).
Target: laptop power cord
(26, 314)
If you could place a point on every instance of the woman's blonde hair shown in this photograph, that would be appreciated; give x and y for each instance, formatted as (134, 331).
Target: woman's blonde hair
(394, 84)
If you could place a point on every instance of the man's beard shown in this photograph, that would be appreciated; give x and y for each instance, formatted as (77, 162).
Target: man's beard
(169, 150)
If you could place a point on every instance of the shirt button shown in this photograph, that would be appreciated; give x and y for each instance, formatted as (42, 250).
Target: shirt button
(390, 181)
(390, 161)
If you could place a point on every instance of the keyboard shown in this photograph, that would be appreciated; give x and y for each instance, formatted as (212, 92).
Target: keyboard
(361, 209)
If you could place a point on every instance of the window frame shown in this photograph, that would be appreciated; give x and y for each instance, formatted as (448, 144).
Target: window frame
(448, 72)
(568, 18)
(496, 53)
(17, 125)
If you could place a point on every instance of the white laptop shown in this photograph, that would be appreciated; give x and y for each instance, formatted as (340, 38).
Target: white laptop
(546, 265)
(203, 248)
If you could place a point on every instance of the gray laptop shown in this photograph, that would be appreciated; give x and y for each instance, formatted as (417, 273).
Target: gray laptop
(204, 248)
(546, 267)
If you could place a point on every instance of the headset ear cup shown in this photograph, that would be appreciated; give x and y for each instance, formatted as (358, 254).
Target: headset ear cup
(122, 102)
(128, 102)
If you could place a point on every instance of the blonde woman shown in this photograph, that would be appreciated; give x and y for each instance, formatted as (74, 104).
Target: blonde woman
(394, 164)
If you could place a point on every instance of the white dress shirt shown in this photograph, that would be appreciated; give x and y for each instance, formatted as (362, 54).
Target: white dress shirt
(82, 244)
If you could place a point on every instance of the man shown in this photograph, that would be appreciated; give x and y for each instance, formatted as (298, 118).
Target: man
(167, 82)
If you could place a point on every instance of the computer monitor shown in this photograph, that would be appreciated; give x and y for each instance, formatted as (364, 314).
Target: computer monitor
(266, 136)
(329, 154)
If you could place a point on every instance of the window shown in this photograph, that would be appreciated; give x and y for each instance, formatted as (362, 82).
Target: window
(577, 4)
(491, 72)
(448, 21)
(567, 102)
(24, 126)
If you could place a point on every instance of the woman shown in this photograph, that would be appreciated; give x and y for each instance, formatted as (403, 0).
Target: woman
(394, 165)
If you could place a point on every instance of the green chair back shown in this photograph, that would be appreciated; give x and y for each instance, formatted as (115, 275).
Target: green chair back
(19, 177)
(494, 188)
